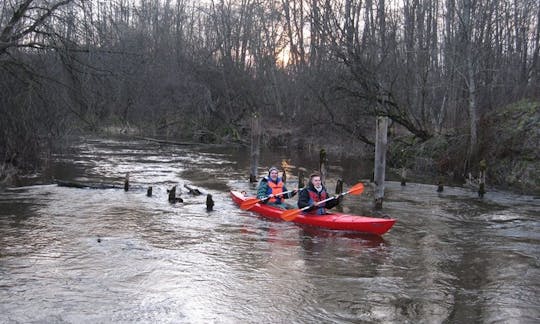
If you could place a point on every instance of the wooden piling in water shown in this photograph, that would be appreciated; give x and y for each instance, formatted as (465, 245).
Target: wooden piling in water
(440, 186)
(209, 202)
(323, 165)
(380, 159)
(255, 146)
(339, 186)
(301, 183)
(126, 182)
(482, 179)
(403, 176)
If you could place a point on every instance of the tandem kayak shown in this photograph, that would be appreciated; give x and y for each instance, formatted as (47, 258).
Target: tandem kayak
(333, 220)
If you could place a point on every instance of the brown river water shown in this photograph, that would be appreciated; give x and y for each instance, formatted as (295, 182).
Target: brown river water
(70, 255)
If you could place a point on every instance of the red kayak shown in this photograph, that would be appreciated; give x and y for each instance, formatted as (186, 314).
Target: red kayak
(333, 221)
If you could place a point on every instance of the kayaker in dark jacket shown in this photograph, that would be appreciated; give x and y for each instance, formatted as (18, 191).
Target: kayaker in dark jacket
(271, 187)
(314, 193)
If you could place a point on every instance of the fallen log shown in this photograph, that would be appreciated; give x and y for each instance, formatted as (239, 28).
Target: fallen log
(192, 191)
(91, 185)
(74, 184)
(160, 141)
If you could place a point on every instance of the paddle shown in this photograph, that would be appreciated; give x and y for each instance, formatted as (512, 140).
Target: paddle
(250, 202)
(289, 215)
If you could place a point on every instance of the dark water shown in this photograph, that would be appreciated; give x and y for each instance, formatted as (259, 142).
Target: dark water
(450, 258)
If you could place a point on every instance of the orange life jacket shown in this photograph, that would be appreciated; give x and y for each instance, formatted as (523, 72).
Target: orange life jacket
(274, 189)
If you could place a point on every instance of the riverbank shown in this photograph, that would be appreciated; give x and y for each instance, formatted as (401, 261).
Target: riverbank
(509, 141)
(8, 175)
(509, 145)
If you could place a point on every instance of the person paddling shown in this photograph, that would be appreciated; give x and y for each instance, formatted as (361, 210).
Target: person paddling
(270, 189)
(313, 193)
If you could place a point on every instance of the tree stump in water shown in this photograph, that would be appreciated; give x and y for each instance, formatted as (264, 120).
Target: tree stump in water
(378, 203)
(482, 179)
(172, 196)
(126, 182)
(300, 180)
(339, 190)
(440, 186)
(339, 186)
(209, 202)
(403, 177)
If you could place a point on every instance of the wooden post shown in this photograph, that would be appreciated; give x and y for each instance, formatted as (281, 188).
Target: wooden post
(482, 179)
(323, 165)
(339, 186)
(380, 159)
(440, 186)
(403, 176)
(255, 146)
(172, 195)
(284, 166)
(339, 189)
(126, 182)
(209, 202)
(300, 180)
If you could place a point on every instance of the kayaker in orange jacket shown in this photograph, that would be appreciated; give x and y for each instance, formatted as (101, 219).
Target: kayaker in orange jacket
(313, 193)
(270, 188)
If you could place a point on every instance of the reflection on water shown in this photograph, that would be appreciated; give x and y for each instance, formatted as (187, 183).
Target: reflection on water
(83, 255)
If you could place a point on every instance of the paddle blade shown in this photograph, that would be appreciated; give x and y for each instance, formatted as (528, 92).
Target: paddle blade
(249, 203)
(357, 189)
(291, 214)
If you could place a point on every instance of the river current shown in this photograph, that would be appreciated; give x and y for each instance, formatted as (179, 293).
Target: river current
(71, 255)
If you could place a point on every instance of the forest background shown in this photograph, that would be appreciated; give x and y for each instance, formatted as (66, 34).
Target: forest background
(458, 79)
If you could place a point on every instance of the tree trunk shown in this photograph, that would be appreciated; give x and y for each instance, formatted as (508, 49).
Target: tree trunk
(255, 146)
(380, 159)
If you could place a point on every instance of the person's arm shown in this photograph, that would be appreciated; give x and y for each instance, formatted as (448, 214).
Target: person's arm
(332, 203)
(303, 199)
(290, 194)
(262, 189)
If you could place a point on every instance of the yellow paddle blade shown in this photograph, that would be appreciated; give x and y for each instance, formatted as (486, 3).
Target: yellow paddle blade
(249, 203)
(357, 189)
(289, 215)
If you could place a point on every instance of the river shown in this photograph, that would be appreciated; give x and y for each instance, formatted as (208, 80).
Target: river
(70, 255)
